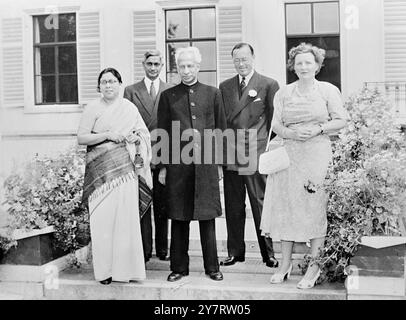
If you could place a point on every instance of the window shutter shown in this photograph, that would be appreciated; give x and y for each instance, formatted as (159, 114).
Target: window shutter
(229, 34)
(13, 62)
(89, 61)
(144, 39)
(395, 40)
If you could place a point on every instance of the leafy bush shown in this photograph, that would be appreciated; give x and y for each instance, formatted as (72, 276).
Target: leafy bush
(48, 192)
(366, 182)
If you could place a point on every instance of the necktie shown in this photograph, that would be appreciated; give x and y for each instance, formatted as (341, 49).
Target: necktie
(242, 86)
(152, 92)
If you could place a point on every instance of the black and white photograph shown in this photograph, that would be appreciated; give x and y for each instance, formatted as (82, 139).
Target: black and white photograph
(202, 155)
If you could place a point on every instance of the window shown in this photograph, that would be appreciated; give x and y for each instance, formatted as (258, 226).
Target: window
(192, 27)
(317, 23)
(55, 61)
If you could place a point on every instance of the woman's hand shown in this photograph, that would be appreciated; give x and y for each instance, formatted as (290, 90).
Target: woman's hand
(115, 137)
(304, 133)
(133, 137)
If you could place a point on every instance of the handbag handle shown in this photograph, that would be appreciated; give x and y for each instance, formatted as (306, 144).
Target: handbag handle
(269, 137)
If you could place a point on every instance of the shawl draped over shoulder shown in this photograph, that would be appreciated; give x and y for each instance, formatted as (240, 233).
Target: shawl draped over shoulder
(109, 164)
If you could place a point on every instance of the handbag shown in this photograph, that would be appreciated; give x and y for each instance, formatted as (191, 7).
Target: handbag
(275, 160)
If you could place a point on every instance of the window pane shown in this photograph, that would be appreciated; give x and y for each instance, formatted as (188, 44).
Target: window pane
(298, 18)
(208, 78)
(45, 89)
(46, 56)
(67, 59)
(173, 78)
(331, 71)
(203, 23)
(44, 29)
(208, 52)
(177, 24)
(326, 18)
(171, 50)
(67, 27)
(68, 89)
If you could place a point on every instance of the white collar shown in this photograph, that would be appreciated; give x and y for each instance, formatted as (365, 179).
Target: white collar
(148, 81)
(247, 78)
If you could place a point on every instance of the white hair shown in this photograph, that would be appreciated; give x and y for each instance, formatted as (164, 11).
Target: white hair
(193, 50)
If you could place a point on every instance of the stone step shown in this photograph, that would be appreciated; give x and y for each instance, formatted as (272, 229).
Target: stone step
(79, 284)
(252, 265)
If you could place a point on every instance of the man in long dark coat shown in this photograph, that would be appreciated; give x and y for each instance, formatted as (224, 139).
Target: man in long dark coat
(145, 95)
(192, 189)
(248, 103)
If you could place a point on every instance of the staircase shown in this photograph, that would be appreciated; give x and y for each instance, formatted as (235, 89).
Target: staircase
(243, 281)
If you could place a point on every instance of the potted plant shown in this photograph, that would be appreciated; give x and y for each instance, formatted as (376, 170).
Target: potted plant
(366, 185)
(46, 218)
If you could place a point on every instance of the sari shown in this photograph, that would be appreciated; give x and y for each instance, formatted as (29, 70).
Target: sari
(111, 191)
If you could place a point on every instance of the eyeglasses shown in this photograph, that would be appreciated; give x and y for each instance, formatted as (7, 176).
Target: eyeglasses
(150, 64)
(243, 60)
(111, 81)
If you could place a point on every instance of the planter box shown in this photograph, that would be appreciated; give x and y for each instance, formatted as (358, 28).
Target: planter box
(33, 248)
(378, 269)
(34, 259)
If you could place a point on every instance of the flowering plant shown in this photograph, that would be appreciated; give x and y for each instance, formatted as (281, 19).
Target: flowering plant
(252, 93)
(366, 183)
(48, 192)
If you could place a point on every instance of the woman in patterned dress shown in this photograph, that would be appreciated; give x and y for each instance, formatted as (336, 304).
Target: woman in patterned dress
(306, 112)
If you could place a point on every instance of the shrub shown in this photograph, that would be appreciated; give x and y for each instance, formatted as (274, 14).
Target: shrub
(48, 191)
(366, 183)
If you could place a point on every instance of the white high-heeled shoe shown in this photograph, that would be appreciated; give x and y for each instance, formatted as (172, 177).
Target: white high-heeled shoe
(280, 277)
(307, 284)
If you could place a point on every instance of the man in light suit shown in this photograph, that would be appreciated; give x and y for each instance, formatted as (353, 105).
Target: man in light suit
(145, 95)
(248, 102)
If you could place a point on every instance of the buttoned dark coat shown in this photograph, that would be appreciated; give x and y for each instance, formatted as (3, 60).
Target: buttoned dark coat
(192, 189)
(253, 111)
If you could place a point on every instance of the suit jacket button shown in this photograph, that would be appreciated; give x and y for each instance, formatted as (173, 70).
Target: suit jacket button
(191, 91)
(193, 117)
(192, 104)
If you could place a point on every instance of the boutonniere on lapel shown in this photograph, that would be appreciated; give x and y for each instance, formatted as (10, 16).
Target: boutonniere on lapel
(252, 93)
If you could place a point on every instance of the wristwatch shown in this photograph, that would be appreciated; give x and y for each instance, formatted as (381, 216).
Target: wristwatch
(321, 128)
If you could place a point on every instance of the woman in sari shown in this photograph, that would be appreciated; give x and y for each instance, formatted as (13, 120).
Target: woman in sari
(113, 131)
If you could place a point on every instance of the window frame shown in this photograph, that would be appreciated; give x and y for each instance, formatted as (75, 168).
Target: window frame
(313, 34)
(190, 39)
(28, 58)
(56, 45)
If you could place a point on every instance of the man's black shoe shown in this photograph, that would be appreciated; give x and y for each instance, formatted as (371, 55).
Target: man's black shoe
(229, 261)
(272, 262)
(163, 257)
(215, 275)
(106, 281)
(174, 276)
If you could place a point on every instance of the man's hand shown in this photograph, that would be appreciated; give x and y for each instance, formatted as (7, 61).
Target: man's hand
(162, 176)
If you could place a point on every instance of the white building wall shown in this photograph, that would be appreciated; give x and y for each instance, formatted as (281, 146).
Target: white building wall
(26, 132)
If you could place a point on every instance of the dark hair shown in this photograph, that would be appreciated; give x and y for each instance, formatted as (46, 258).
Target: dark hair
(240, 45)
(152, 53)
(318, 53)
(107, 70)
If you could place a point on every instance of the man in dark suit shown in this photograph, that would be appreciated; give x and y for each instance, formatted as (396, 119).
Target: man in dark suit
(248, 102)
(190, 109)
(145, 95)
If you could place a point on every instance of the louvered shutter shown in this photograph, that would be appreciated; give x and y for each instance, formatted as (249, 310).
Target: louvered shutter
(229, 34)
(89, 60)
(144, 39)
(13, 63)
(395, 40)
